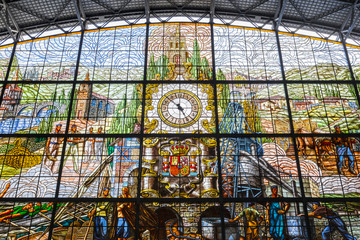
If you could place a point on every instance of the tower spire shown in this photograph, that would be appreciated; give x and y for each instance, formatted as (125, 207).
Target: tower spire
(16, 76)
(87, 77)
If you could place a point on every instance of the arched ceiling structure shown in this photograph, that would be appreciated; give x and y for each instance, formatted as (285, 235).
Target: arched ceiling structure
(26, 19)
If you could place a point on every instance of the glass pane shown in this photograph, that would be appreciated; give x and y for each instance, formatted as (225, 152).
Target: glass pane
(5, 53)
(179, 108)
(34, 108)
(306, 58)
(93, 163)
(184, 168)
(252, 108)
(179, 52)
(49, 59)
(25, 220)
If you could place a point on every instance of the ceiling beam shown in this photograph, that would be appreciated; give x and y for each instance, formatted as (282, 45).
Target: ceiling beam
(8, 20)
(352, 25)
(80, 14)
(147, 11)
(280, 13)
(212, 11)
(352, 16)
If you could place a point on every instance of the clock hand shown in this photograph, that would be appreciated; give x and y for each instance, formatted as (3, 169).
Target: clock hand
(181, 109)
(172, 100)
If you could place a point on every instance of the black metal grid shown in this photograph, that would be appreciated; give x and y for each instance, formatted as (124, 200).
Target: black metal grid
(218, 135)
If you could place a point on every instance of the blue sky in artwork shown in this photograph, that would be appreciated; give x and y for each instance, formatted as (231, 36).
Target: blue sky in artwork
(118, 48)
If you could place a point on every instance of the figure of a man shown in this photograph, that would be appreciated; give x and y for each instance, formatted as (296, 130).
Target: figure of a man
(343, 148)
(89, 147)
(334, 220)
(18, 212)
(253, 220)
(276, 215)
(99, 145)
(52, 146)
(42, 208)
(122, 226)
(73, 149)
(100, 215)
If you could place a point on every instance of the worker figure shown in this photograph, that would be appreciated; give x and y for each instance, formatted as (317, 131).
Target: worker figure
(53, 145)
(99, 145)
(334, 220)
(89, 147)
(343, 148)
(20, 212)
(253, 220)
(100, 215)
(73, 149)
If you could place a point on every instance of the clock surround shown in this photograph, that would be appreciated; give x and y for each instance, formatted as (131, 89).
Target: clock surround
(179, 108)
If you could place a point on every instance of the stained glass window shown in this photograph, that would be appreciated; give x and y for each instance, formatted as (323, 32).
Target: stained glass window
(179, 131)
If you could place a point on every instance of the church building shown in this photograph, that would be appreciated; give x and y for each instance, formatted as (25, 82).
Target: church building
(90, 105)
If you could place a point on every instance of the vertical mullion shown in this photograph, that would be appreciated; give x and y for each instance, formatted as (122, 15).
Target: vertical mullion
(303, 200)
(218, 155)
(66, 136)
(353, 80)
(141, 135)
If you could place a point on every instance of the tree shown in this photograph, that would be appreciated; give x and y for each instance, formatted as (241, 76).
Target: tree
(195, 60)
(45, 126)
(352, 91)
(151, 71)
(61, 98)
(162, 66)
(251, 116)
(125, 116)
(225, 94)
(131, 111)
(117, 122)
(205, 68)
(159, 66)
(67, 102)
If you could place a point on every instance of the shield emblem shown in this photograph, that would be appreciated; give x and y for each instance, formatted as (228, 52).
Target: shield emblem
(174, 165)
(179, 165)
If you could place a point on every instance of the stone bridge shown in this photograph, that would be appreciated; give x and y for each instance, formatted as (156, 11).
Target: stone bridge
(38, 106)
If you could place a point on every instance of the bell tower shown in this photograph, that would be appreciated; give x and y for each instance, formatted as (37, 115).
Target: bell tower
(83, 99)
(177, 51)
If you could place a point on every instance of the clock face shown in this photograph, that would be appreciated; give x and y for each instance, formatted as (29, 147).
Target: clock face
(179, 108)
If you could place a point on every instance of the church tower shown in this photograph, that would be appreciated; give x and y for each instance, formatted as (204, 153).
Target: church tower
(83, 99)
(177, 51)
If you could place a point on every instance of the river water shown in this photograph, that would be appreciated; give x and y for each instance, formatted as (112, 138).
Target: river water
(13, 125)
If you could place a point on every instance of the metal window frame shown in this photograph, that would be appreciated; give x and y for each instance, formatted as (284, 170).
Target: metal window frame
(222, 201)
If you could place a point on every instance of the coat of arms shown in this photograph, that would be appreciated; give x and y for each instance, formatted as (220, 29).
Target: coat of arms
(180, 159)
(177, 162)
